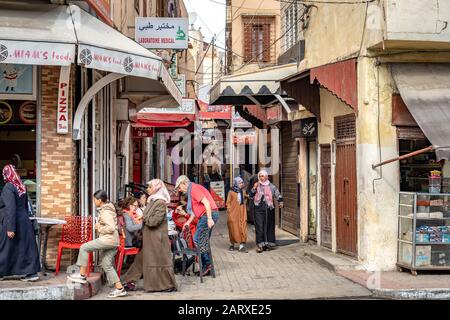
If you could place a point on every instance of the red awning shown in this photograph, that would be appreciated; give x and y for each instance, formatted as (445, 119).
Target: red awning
(171, 117)
(340, 78)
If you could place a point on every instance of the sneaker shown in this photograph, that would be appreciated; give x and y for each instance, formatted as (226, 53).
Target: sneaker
(259, 249)
(130, 286)
(78, 278)
(30, 278)
(117, 293)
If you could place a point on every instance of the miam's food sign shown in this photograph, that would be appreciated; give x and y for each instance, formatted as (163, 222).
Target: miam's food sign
(162, 33)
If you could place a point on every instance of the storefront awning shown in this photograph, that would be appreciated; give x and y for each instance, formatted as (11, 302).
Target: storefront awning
(50, 34)
(260, 87)
(425, 89)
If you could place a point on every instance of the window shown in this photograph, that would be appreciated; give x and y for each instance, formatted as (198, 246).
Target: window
(257, 35)
(291, 26)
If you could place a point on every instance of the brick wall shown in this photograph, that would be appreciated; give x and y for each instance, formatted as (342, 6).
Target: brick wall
(59, 194)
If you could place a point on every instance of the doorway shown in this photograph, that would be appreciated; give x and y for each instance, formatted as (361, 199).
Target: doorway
(345, 183)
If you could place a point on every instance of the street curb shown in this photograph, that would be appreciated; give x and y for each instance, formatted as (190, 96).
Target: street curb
(57, 292)
(324, 262)
(413, 294)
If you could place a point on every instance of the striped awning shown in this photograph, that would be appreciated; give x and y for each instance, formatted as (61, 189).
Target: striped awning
(260, 87)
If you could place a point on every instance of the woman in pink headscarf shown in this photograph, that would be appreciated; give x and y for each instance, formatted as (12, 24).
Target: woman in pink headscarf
(154, 261)
(263, 194)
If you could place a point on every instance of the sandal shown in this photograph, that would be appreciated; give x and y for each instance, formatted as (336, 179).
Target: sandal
(231, 248)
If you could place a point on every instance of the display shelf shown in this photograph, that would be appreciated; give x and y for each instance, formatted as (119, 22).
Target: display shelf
(419, 165)
(414, 255)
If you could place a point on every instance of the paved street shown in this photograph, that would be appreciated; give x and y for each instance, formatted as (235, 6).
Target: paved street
(284, 273)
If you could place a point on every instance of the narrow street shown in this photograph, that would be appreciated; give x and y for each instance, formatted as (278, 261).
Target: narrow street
(284, 273)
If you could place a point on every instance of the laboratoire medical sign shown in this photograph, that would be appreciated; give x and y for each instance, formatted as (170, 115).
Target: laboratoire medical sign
(162, 33)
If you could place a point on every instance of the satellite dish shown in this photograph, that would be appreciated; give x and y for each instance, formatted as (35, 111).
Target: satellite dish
(192, 17)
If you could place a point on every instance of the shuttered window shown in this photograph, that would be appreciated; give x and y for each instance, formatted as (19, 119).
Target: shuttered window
(257, 36)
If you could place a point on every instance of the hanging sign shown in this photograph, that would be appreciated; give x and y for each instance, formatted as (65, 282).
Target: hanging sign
(118, 62)
(304, 128)
(62, 117)
(162, 33)
(173, 69)
(218, 192)
(103, 9)
(244, 137)
(36, 53)
(143, 132)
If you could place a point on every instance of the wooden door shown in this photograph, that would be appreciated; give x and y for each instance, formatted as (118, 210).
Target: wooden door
(345, 182)
(290, 218)
(325, 195)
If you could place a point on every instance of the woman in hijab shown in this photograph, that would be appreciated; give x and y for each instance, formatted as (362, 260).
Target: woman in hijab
(154, 261)
(19, 255)
(263, 194)
(237, 215)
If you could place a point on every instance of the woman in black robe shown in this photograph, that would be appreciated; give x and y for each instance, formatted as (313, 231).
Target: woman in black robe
(19, 255)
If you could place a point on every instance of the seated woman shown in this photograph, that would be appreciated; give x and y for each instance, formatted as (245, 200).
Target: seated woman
(133, 223)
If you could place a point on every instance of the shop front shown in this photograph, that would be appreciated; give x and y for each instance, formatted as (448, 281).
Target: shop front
(45, 92)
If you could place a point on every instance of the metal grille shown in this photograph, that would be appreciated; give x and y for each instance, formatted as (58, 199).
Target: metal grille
(345, 128)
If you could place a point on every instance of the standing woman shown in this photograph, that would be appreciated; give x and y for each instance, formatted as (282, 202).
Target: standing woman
(107, 242)
(19, 253)
(237, 215)
(263, 194)
(154, 261)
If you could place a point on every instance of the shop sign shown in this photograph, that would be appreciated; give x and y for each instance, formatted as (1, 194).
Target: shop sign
(103, 9)
(238, 122)
(36, 53)
(209, 112)
(18, 81)
(173, 69)
(244, 137)
(275, 114)
(218, 192)
(304, 128)
(180, 81)
(187, 107)
(6, 112)
(143, 132)
(162, 33)
(62, 124)
(118, 62)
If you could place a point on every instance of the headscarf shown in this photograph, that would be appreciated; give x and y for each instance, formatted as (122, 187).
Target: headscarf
(238, 190)
(159, 191)
(10, 175)
(263, 189)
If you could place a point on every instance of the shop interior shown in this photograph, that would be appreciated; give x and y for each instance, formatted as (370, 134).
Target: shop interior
(18, 141)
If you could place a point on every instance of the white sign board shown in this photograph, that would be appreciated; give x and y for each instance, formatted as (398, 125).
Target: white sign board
(219, 188)
(118, 62)
(187, 107)
(162, 33)
(62, 121)
(36, 53)
(180, 81)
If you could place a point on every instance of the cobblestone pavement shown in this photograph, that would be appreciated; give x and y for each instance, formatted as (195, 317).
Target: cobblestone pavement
(284, 273)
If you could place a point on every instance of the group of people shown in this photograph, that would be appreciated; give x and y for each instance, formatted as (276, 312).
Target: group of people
(141, 221)
(263, 193)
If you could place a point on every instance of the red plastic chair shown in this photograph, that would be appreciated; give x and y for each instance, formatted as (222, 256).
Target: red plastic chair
(76, 232)
(122, 252)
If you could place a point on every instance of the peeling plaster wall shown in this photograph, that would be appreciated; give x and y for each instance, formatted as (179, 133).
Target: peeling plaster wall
(377, 189)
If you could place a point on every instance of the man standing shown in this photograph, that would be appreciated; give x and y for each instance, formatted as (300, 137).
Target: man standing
(200, 204)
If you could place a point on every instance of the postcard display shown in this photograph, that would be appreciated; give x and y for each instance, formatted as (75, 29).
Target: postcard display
(423, 231)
